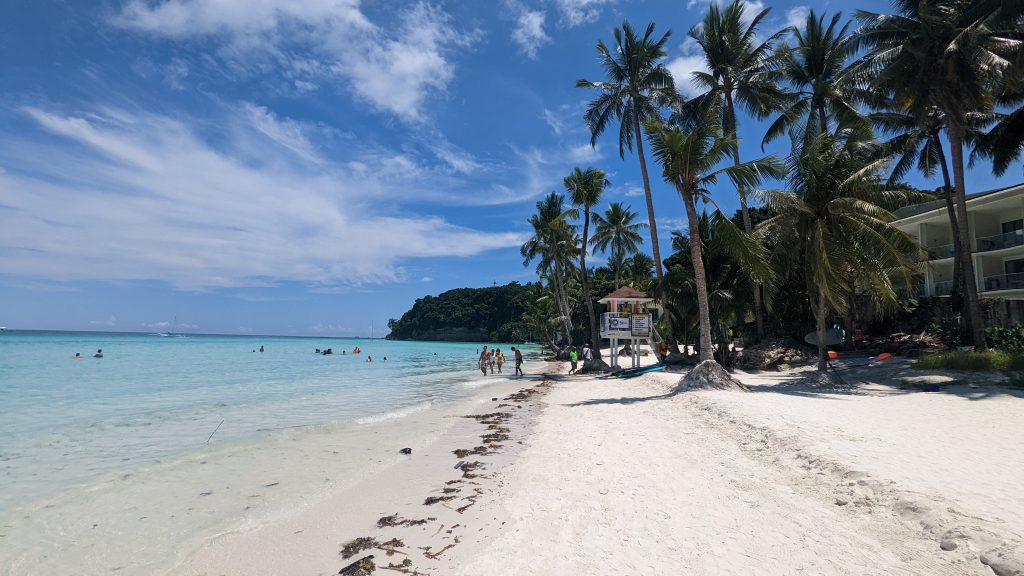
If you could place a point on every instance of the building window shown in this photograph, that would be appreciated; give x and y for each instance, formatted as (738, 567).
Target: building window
(1013, 226)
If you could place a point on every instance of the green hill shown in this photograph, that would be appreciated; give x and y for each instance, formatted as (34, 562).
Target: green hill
(468, 315)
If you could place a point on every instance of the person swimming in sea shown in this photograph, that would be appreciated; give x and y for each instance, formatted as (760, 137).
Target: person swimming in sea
(78, 355)
(98, 354)
(261, 347)
(385, 358)
(369, 358)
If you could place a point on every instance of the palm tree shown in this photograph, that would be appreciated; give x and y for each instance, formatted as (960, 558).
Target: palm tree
(919, 144)
(638, 83)
(742, 72)
(814, 67)
(688, 161)
(832, 228)
(616, 230)
(553, 245)
(947, 55)
(585, 188)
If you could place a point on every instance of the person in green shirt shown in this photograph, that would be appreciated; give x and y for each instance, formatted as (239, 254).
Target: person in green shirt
(573, 358)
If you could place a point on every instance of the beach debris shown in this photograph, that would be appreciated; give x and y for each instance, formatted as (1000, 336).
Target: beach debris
(405, 568)
(406, 451)
(777, 354)
(437, 555)
(396, 520)
(362, 567)
(709, 374)
(214, 432)
(450, 490)
(472, 500)
(353, 547)
(391, 547)
(271, 485)
(431, 500)
(461, 452)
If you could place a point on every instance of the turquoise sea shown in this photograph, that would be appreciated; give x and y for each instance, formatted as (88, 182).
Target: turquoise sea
(151, 398)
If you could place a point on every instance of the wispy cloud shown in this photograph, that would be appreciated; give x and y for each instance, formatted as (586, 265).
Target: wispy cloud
(139, 196)
(393, 67)
(577, 12)
(529, 32)
(797, 15)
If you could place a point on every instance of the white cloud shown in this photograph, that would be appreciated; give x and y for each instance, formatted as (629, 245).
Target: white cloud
(556, 122)
(690, 60)
(393, 67)
(584, 153)
(797, 16)
(633, 190)
(143, 197)
(576, 12)
(751, 8)
(529, 32)
(426, 279)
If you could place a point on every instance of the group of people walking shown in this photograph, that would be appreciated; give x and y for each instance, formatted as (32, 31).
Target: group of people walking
(574, 357)
(489, 359)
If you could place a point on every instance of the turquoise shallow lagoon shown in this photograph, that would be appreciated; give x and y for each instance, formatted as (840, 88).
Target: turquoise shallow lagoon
(152, 398)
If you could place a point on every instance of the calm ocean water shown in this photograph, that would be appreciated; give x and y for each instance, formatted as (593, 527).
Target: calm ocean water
(68, 422)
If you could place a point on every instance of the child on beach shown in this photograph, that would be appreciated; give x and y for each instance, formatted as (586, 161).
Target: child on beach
(572, 361)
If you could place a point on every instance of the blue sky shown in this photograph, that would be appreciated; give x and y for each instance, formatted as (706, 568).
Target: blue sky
(306, 168)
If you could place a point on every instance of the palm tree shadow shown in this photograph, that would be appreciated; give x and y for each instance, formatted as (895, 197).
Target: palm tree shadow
(623, 400)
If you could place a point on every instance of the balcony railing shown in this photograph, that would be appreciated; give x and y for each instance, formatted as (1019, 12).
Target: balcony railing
(940, 251)
(1000, 241)
(943, 288)
(1004, 282)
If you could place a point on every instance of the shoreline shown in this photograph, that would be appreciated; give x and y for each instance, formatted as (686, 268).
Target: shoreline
(612, 476)
(149, 520)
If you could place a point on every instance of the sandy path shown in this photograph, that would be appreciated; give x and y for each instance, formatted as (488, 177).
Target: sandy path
(620, 478)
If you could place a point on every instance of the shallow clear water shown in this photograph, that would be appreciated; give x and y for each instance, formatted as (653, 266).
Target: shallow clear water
(66, 422)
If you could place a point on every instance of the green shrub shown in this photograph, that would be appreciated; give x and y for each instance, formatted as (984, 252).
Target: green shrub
(1010, 338)
(987, 360)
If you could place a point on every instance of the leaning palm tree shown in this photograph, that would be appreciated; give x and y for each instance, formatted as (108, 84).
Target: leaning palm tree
(688, 161)
(616, 231)
(742, 72)
(553, 245)
(814, 68)
(585, 188)
(638, 83)
(831, 227)
(947, 55)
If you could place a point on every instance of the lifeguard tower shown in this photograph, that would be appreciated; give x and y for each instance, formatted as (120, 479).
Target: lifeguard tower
(628, 318)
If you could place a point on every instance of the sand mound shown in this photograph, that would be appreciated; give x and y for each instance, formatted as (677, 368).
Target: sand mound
(709, 374)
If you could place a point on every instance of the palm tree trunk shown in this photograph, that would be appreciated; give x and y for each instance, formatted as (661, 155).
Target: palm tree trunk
(954, 225)
(747, 227)
(595, 332)
(822, 312)
(956, 143)
(654, 227)
(706, 351)
(563, 303)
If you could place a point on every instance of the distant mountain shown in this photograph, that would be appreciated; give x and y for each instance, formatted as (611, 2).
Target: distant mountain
(468, 315)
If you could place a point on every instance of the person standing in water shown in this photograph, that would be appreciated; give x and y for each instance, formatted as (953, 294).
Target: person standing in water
(500, 358)
(519, 361)
(98, 354)
(485, 360)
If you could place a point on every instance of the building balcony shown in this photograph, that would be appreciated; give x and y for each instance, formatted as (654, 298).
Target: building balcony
(940, 251)
(1000, 241)
(942, 288)
(1004, 282)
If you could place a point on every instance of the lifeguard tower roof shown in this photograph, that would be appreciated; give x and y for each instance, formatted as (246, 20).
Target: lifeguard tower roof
(626, 294)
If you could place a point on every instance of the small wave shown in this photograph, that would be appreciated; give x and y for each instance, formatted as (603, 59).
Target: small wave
(401, 413)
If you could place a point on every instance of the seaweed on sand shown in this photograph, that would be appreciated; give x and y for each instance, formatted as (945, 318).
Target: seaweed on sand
(396, 520)
(353, 547)
(362, 567)
(431, 500)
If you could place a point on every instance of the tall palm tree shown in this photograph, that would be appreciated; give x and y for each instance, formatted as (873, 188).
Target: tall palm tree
(814, 68)
(688, 161)
(585, 188)
(553, 245)
(948, 55)
(916, 143)
(742, 73)
(617, 230)
(637, 84)
(832, 228)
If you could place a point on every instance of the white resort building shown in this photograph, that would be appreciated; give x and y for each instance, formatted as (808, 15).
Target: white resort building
(996, 223)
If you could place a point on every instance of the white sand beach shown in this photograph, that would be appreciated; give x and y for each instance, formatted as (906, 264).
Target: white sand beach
(608, 476)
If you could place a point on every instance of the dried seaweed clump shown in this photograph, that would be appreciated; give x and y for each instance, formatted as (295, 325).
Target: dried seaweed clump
(362, 567)
(353, 547)
(431, 500)
(396, 520)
